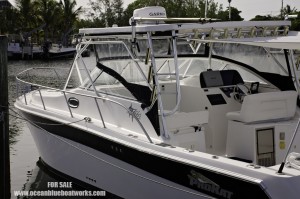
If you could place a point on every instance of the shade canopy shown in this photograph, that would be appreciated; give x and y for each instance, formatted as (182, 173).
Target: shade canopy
(292, 41)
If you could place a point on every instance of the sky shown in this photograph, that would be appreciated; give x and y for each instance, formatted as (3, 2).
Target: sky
(249, 8)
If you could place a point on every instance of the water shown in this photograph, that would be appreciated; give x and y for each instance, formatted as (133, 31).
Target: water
(26, 172)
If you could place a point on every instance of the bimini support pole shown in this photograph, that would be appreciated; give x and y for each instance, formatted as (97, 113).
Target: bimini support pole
(210, 53)
(158, 92)
(289, 148)
(294, 70)
(298, 124)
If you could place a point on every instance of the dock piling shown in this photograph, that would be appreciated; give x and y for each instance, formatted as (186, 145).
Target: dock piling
(4, 125)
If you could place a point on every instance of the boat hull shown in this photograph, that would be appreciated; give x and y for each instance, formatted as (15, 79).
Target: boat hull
(103, 171)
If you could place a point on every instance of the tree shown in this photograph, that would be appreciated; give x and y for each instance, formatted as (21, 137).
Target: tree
(107, 12)
(8, 18)
(235, 14)
(47, 12)
(264, 18)
(186, 8)
(285, 11)
(118, 9)
(26, 14)
(69, 15)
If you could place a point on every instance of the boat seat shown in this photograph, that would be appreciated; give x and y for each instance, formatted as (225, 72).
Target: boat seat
(262, 107)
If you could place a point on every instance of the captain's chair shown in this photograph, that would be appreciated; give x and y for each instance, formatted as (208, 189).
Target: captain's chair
(261, 107)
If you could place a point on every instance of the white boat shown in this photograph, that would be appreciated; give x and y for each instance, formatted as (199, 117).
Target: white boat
(175, 110)
(54, 51)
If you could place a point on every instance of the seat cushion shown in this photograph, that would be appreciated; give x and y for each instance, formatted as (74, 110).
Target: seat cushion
(233, 115)
(266, 107)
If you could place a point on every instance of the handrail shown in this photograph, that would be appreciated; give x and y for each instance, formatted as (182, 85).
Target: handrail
(84, 95)
(32, 68)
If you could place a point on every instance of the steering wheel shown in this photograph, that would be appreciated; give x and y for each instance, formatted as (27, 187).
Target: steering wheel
(240, 91)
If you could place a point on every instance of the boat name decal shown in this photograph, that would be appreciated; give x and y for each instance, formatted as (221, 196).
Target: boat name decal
(134, 112)
(202, 182)
(157, 14)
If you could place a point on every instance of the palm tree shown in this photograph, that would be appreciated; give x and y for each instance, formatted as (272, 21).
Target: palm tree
(69, 16)
(47, 12)
(26, 16)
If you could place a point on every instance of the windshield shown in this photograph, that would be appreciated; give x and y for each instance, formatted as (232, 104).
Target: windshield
(261, 59)
(131, 63)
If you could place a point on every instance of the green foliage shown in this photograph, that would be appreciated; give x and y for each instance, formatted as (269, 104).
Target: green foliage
(108, 12)
(26, 14)
(187, 8)
(177, 8)
(105, 13)
(283, 12)
(59, 18)
(47, 12)
(235, 15)
(262, 18)
(9, 18)
(62, 17)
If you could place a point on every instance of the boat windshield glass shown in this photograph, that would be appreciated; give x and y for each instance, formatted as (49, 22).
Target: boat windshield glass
(116, 65)
(261, 59)
(122, 61)
(128, 62)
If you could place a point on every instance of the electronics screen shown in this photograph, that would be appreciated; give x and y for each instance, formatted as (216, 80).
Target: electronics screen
(213, 79)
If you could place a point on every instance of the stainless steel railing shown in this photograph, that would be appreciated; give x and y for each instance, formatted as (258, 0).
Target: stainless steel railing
(39, 87)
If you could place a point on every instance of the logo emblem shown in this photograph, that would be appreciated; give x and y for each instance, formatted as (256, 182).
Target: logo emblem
(201, 182)
(134, 112)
